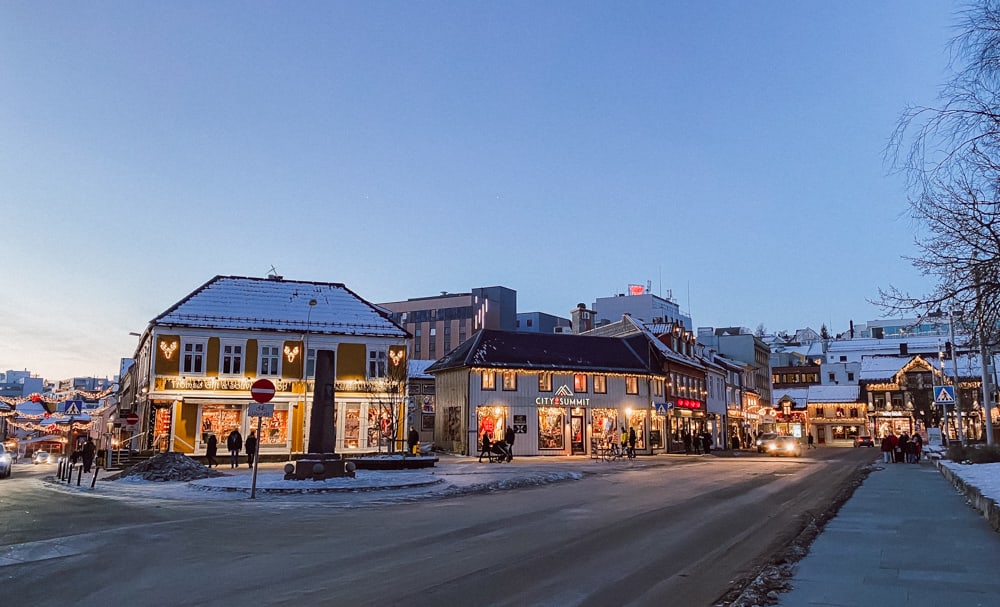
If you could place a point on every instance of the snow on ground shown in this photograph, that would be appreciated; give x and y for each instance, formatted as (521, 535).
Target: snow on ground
(985, 477)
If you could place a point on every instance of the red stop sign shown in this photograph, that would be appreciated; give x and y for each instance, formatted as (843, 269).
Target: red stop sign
(132, 419)
(262, 390)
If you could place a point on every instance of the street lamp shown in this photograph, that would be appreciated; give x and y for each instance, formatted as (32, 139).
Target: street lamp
(954, 366)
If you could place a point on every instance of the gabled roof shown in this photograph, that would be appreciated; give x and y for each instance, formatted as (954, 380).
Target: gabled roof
(834, 394)
(417, 369)
(272, 304)
(550, 352)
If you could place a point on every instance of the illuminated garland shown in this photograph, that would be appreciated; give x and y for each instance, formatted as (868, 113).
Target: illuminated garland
(33, 427)
(39, 398)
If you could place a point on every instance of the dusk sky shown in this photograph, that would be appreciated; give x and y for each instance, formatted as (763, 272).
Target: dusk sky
(730, 152)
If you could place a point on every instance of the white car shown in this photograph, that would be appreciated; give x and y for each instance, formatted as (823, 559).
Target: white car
(5, 462)
(40, 457)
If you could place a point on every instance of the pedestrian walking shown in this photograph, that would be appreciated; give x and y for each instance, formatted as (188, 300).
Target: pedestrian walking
(920, 446)
(234, 442)
(706, 442)
(686, 437)
(810, 441)
(631, 442)
(900, 450)
(412, 439)
(88, 454)
(509, 437)
(251, 448)
(211, 449)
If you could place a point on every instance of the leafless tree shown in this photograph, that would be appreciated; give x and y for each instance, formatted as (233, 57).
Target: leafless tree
(387, 396)
(950, 155)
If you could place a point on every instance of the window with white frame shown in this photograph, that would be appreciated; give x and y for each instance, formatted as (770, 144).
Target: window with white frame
(311, 362)
(232, 358)
(270, 359)
(193, 356)
(376, 363)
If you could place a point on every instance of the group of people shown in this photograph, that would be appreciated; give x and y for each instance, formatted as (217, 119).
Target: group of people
(902, 449)
(697, 442)
(504, 448)
(235, 444)
(85, 454)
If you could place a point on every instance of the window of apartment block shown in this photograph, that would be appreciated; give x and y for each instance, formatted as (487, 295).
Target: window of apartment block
(509, 380)
(631, 385)
(488, 380)
(376, 363)
(820, 412)
(311, 362)
(580, 382)
(850, 377)
(657, 387)
(600, 384)
(193, 357)
(232, 359)
(270, 360)
(544, 382)
(529, 322)
(832, 376)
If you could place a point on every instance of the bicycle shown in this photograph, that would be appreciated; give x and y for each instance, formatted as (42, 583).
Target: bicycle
(615, 452)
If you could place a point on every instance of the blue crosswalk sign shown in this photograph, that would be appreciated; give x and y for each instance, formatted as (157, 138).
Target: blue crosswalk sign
(73, 407)
(944, 395)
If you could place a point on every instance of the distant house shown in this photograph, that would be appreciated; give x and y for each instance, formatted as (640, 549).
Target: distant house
(196, 361)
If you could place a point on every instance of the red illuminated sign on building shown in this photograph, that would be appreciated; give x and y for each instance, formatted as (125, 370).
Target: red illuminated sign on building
(685, 403)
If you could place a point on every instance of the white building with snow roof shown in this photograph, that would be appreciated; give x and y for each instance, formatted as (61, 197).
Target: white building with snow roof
(196, 361)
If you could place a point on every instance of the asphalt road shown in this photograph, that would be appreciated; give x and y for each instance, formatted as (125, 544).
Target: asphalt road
(680, 533)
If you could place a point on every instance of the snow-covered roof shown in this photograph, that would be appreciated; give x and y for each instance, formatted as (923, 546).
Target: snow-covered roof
(834, 394)
(273, 304)
(797, 395)
(417, 369)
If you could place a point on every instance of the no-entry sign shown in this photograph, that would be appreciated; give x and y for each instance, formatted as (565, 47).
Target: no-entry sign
(132, 419)
(262, 390)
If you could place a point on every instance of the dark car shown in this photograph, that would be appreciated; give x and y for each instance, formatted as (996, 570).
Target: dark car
(764, 439)
(864, 441)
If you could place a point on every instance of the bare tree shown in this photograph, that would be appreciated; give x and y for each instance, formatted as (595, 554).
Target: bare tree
(387, 398)
(950, 155)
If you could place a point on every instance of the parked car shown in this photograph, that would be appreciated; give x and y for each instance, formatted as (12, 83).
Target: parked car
(5, 462)
(40, 457)
(864, 441)
(764, 439)
(785, 445)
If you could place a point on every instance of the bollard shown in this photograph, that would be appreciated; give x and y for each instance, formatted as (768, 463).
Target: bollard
(94, 480)
(79, 475)
(69, 473)
(59, 469)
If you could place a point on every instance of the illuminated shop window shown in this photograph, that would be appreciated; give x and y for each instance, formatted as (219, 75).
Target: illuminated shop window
(551, 421)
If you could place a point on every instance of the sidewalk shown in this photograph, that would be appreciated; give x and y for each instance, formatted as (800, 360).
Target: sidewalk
(906, 537)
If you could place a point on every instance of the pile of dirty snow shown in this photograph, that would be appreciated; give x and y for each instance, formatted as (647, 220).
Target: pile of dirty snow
(168, 467)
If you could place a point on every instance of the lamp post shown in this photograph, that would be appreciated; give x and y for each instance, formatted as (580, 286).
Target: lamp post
(954, 366)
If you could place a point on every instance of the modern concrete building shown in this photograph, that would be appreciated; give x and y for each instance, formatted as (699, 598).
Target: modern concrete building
(442, 322)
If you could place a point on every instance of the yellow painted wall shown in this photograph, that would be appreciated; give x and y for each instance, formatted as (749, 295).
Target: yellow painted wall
(292, 370)
(298, 427)
(251, 358)
(164, 365)
(212, 357)
(351, 360)
(185, 427)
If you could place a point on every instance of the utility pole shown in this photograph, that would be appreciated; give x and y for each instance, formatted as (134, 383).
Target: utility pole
(954, 366)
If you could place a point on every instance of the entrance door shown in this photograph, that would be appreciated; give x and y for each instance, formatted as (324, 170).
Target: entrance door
(576, 434)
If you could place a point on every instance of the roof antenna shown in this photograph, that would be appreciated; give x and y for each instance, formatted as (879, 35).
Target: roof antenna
(273, 272)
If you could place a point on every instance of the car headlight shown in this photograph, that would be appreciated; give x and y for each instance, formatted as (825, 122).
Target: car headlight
(5, 458)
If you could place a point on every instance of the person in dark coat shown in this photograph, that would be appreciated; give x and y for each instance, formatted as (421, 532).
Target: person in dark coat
(211, 449)
(235, 444)
(508, 438)
(686, 437)
(412, 439)
(89, 449)
(706, 442)
(631, 441)
(251, 448)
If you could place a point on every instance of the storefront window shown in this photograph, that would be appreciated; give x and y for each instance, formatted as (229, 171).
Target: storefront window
(220, 420)
(352, 426)
(380, 426)
(656, 432)
(490, 420)
(161, 428)
(551, 421)
(273, 430)
(637, 420)
(605, 425)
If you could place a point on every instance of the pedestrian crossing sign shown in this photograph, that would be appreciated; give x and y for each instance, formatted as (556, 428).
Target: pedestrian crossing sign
(73, 407)
(944, 395)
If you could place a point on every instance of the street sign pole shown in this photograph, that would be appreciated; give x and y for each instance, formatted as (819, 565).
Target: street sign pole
(256, 459)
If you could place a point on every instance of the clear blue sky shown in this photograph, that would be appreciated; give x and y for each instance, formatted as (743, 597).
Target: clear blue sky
(731, 152)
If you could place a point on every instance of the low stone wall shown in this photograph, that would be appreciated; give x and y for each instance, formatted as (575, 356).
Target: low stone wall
(985, 505)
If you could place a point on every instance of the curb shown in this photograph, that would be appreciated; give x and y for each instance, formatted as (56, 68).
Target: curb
(986, 506)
